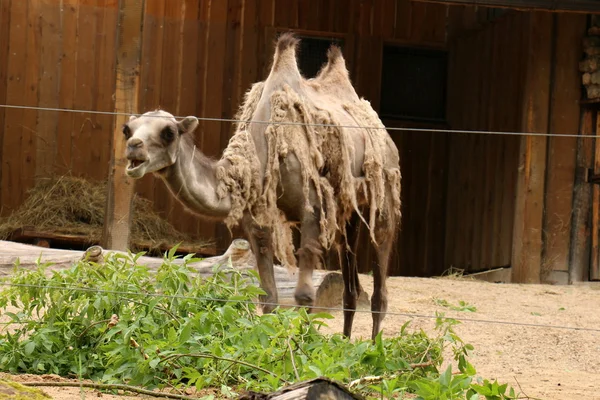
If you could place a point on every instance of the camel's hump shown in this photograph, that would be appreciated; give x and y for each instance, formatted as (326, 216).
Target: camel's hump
(287, 40)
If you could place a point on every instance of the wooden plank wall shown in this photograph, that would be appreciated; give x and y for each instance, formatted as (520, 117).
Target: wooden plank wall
(484, 94)
(198, 58)
(483, 169)
(55, 59)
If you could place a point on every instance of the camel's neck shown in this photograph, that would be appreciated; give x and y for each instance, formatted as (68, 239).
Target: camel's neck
(192, 180)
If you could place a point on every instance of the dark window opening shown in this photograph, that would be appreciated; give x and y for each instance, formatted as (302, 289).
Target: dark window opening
(413, 84)
(312, 54)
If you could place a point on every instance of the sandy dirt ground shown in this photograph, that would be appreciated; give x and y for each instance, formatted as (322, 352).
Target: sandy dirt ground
(547, 363)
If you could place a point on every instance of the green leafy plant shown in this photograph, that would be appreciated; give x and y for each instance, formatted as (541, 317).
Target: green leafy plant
(462, 305)
(120, 322)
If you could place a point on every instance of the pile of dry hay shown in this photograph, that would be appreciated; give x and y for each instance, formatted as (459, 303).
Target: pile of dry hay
(75, 206)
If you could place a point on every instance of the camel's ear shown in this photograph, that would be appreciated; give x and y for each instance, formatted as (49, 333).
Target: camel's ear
(132, 117)
(188, 124)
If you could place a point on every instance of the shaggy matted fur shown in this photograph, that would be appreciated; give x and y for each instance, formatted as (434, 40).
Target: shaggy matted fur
(325, 152)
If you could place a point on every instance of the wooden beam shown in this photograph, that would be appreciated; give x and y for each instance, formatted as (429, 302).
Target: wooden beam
(120, 187)
(584, 6)
(529, 207)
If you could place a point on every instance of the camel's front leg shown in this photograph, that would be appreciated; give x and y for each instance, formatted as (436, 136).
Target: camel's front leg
(261, 242)
(309, 257)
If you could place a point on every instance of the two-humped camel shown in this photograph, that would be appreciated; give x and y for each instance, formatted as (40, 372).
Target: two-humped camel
(323, 178)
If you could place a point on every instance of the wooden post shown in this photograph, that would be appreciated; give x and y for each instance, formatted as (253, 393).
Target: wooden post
(120, 187)
(529, 207)
(579, 261)
(594, 273)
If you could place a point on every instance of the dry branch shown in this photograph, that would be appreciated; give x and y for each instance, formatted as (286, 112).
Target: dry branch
(102, 386)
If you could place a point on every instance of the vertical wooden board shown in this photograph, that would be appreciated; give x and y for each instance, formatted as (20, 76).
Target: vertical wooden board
(248, 63)
(388, 19)
(480, 155)
(561, 150)
(409, 189)
(326, 15)
(455, 21)
(98, 156)
(377, 18)
(214, 76)
(30, 98)
(595, 251)
(68, 77)
(493, 148)
(528, 217)
(168, 95)
(435, 217)
(105, 80)
(204, 229)
(456, 82)
(581, 234)
(486, 184)
(435, 29)
(404, 19)
(203, 22)
(265, 40)
(5, 7)
(213, 86)
(150, 78)
(50, 43)
(418, 21)
(293, 17)
(188, 96)
(283, 14)
(231, 79)
(471, 156)
(514, 85)
(340, 19)
(83, 123)
(231, 93)
(496, 119)
(187, 102)
(15, 89)
(309, 12)
(419, 198)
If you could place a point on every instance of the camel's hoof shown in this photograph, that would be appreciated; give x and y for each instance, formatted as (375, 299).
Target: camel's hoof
(305, 300)
(269, 305)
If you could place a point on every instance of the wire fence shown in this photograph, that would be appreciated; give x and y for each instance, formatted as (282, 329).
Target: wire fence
(319, 308)
(389, 128)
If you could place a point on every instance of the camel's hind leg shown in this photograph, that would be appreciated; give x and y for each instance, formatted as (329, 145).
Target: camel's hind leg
(261, 242)
(385, 236)
(349, 269)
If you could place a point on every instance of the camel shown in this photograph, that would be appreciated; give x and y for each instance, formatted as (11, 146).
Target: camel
(306, 154)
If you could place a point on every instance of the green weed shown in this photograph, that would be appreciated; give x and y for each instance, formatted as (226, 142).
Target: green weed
(121, 323)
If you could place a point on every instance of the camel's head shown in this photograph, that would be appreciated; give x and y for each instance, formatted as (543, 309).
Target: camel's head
(153, 141)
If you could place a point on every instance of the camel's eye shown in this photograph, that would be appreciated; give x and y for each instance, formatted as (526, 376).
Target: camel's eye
(126, 131)
(167, 134)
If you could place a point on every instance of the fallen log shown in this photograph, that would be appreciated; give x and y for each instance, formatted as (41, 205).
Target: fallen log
(328, 285)
(318, 388)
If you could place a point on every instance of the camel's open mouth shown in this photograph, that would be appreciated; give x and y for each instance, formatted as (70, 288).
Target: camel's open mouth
(133, 164)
